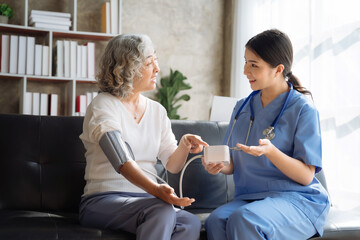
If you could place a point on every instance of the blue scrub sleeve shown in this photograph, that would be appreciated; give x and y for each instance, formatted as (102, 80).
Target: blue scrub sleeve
(307, 141)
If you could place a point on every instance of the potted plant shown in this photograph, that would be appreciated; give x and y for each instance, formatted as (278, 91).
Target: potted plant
(167, 93)
(6, 13)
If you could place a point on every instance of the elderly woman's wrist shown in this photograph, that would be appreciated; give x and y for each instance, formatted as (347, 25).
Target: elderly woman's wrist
(185, 143)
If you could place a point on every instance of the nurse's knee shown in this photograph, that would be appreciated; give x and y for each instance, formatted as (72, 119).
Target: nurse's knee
(213, 220)
(244, 221)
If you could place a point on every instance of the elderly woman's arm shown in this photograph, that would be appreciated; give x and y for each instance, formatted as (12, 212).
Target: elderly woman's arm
(189, 143)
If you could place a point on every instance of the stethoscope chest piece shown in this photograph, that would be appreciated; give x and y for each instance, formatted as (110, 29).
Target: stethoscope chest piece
(269, 133)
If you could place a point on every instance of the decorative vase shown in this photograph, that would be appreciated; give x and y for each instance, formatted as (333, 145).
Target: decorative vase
(4, 19)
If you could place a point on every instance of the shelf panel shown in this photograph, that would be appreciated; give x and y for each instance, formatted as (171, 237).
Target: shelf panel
(10, 76)
(83, 35)
(45, 78)
(17, 29)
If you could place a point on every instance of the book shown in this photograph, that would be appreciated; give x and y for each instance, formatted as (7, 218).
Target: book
(21, 55)
(5, 53)
(51, 26)
(44, 104)
(119, 16)
(48, 19)
(30, 55)
(59, 58)
(105, 17)
(78, 61)
(27, 107)
(53, 104)
(73, 50)
(91, 59)
(80, 106)
(88, 98)
(35, 109)
(14, 47)
(45, 61)
(38, 60)
(66, 58)
(50, 13)
(114, 16)
(83, 61)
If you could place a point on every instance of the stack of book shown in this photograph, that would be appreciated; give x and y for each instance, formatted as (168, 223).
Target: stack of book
(73, 60)
(20, 55)
(41, 104)
(83, 101)
(50, 20)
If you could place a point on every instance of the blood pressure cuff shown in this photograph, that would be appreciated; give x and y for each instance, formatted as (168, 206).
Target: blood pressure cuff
(116, 149)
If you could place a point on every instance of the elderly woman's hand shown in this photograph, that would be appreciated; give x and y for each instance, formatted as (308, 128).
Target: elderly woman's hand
(166, 193)
(193, 142)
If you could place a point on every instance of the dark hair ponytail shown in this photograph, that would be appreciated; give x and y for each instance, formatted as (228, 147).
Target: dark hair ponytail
(275, 48)
(297, 85)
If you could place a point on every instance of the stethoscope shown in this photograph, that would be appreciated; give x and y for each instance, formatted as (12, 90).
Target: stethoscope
(269, 133)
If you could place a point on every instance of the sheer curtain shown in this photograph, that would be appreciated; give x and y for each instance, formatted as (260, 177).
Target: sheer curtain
(326, 40)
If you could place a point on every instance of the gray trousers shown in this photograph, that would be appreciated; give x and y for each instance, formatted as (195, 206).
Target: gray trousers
(142, 214)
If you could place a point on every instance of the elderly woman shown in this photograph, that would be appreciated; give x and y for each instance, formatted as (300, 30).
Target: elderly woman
(125, 133)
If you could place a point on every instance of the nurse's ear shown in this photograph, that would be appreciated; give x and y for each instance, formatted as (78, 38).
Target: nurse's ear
(279, 70)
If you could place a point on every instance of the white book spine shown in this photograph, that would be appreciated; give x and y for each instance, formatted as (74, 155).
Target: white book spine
(53, 104)
(91, 60)
(88, 98)
(59, 58)
(66, 58)
(5, 53)
(78, 62)
(27, 108)
(82, 105)
(73, 50)
(50, 26)
(108, 22)
(14, 43)
(50, 13)
(45, 61)
(84, 61)
(38, 59)
(114, 16)
(22, 55)
(44, 104)
(30, 55)
(119, 16)
(35, 103)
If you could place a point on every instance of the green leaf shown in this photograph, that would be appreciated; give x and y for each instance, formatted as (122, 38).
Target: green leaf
(184, 97)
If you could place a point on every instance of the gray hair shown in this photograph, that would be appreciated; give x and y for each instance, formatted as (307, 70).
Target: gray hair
(121, 63)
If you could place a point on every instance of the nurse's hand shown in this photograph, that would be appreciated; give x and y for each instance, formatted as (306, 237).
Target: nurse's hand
(212, 168)
(166, 193)
(264, 147)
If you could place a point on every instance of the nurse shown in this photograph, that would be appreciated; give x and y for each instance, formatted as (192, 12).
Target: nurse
(276, 141)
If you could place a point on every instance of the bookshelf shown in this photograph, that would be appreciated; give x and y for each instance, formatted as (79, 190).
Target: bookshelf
(67, 88)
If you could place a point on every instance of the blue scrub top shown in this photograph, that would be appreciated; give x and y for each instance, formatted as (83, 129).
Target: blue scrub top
(298, 135)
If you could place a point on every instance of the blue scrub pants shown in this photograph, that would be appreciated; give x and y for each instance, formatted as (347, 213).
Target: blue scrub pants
(142, 214)
(270, 218)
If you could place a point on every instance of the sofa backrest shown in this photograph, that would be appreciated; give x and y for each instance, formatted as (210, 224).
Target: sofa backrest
(42, 162)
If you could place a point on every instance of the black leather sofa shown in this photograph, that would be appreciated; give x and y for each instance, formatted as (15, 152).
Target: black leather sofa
(42, 178)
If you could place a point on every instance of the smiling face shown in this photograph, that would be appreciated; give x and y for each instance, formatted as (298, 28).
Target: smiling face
(260, 74)
(149, 71)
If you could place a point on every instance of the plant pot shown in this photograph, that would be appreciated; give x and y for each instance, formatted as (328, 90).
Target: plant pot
(4, 19)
